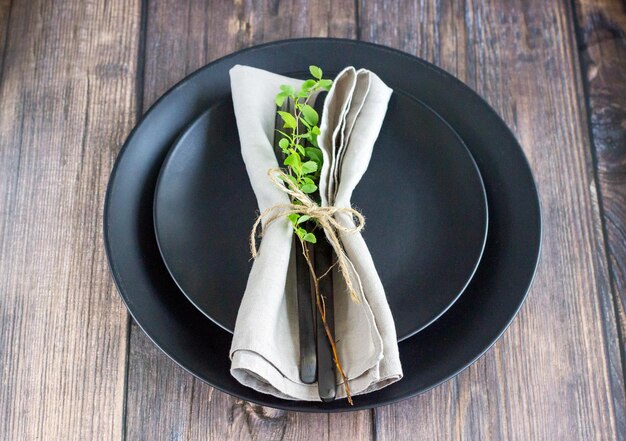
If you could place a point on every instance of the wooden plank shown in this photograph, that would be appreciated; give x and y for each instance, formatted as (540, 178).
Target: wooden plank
(601, 26)
(5, 11)
(164, 402)
(67, 94)
(549, 377)
(211, 29)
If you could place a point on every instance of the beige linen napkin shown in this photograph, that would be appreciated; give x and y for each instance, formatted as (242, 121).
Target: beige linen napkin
(265, 348)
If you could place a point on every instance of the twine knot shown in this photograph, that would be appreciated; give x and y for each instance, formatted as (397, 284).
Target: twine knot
(324, 216)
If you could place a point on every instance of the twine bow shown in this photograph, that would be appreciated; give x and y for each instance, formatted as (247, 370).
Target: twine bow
(325, 217)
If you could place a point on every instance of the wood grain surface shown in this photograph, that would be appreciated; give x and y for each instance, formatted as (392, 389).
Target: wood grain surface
(602, 42)
(75, 76)
(67, 103)
(5, 11)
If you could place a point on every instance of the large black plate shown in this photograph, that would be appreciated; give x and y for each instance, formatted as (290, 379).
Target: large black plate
(422, 195)
(440, 351)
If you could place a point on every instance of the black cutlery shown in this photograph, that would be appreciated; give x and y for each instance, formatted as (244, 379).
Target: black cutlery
(324, 254)
(306, 311)
(316, 355)
(326, 383)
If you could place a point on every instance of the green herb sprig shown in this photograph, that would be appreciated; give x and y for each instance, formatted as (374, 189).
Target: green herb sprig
(304, 164)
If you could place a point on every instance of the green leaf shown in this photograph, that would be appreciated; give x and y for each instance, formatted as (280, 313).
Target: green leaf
(283, 143)
(293, 160)
(284, 134)
(315, 130)
(307, 85)
(314, 153)
(308, 180)
(310, 115)
(280, 99)
(302, 94)
(301, 232)
(303, 218)
(309, 167)
(300, 149)
(294, 218)
(310, 237)
(288, 118)
(316, 72)
(295, 163)
(325, 84)
(287, 89)
(305, 123)
(308, 188)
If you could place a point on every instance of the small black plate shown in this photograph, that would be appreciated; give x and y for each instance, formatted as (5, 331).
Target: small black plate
(440, 351)
(422, 195)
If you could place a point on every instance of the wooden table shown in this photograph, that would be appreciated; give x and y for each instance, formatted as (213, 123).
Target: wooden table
(76, 76)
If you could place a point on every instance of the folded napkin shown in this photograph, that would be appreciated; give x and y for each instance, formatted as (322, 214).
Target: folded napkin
(265, 348)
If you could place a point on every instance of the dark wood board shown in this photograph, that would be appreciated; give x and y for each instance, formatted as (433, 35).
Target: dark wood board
(5, 12)
(67, 102)
(74, 77)
(601, 31)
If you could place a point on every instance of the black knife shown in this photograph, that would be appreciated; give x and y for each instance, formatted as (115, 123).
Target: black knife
(326, 382)
(324, 256)
(306, 311)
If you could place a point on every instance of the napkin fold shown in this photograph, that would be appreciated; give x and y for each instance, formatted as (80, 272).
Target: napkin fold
(265, 348)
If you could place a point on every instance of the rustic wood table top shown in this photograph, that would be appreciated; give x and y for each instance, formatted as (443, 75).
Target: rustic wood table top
(75, 76)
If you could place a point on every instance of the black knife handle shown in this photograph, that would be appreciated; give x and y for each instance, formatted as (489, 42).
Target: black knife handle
(306, 323)
(325, 363)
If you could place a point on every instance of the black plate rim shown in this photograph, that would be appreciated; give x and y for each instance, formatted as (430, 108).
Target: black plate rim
(297, 406)
(474, 165)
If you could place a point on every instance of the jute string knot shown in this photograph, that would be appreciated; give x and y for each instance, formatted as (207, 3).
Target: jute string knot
(302, 204)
